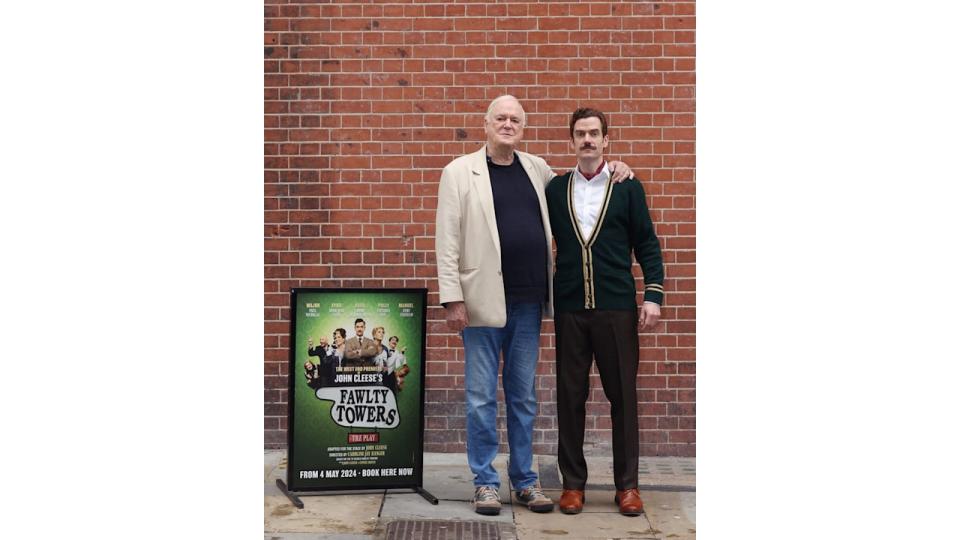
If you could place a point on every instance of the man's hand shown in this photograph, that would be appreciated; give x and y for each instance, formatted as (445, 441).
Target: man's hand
(457, 318)
(619, 171)
(649, 315)
(309, 343)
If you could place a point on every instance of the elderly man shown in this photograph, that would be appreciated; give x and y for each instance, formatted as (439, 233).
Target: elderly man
(597, 225)
(324, 371)
(493, 265)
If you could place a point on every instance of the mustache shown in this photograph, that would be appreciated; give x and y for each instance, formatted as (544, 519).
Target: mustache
(586, 146)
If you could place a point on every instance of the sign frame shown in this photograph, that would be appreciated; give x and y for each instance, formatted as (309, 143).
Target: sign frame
(295, 379)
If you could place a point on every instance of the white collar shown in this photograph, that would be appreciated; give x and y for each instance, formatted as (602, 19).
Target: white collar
(599, 179)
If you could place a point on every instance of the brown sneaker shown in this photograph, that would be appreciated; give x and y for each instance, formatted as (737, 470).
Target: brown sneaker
(571, 501)
(534, 499)
(629, 501)
(486, 501)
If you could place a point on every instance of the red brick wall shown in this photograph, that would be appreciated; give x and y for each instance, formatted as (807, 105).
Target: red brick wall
(365, 102)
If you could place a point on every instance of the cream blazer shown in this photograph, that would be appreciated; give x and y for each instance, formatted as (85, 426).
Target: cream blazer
(468, 244)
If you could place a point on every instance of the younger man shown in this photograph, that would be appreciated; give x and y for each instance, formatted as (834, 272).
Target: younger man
(359, 350)
(596, 224)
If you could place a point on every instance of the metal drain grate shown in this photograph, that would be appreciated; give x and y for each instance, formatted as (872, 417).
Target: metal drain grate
(442, 530)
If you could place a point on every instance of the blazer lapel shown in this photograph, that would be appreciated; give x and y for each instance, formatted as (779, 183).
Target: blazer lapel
(480, 180)
(534, 177)
(538, 187)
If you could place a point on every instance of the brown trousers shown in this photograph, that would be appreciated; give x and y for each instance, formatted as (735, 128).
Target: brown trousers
(611, 338)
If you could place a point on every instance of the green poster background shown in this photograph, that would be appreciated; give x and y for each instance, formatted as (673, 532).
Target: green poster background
(318, 445)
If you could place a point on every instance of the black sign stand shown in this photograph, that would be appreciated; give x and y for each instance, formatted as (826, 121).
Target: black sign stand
(295, 499)
(295, 494)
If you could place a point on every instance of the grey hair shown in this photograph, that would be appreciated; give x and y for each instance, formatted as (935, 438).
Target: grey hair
(523, 114)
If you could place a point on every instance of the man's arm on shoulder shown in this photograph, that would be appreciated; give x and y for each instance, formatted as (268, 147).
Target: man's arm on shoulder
(619, 171)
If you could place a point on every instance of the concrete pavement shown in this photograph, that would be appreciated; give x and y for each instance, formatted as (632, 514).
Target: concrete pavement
(667, 486)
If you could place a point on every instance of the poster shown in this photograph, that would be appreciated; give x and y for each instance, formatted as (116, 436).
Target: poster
(356, 388)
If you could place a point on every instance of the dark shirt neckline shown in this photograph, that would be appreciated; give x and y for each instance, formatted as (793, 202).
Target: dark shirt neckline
(516, 159)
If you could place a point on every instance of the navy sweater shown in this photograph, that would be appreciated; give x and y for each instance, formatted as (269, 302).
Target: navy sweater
(523, 246)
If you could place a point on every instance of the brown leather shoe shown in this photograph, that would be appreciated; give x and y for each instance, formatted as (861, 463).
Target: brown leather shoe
(571, 502)
(629, 501)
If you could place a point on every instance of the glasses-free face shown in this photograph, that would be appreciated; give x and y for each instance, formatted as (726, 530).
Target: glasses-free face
(588, 138)
(504, 125)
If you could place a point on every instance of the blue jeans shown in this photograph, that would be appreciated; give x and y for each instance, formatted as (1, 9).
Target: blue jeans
(519, 341)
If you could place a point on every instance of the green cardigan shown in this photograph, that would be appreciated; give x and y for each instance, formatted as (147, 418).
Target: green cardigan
(595, 272)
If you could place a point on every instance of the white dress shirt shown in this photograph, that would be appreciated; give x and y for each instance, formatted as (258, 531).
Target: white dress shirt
(588, 198)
